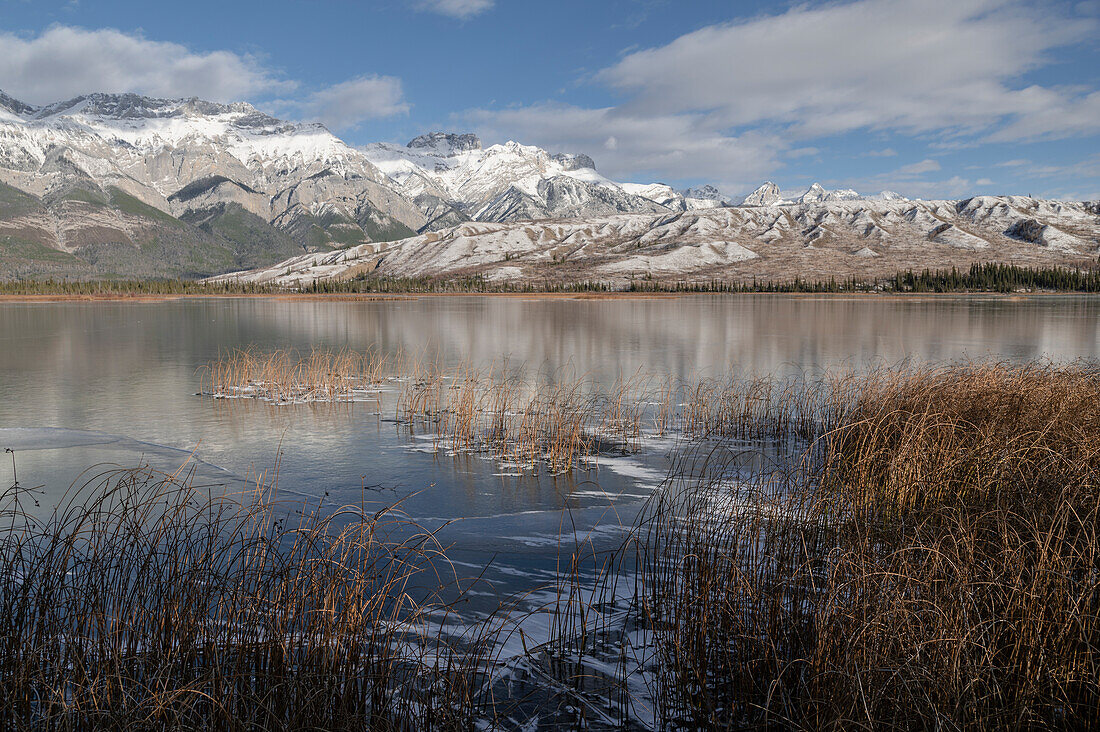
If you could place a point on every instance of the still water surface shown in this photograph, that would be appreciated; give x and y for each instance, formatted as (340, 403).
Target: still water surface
(87, 383)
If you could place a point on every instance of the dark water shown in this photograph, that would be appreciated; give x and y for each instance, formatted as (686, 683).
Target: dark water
(84, 383)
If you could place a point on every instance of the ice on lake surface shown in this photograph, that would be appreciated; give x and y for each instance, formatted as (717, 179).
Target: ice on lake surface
(87, 384)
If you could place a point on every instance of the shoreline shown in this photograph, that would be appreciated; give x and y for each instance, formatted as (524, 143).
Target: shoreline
(380, 297)
(345, 297)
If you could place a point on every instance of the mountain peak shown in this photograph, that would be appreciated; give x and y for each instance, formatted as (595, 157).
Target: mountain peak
(706, 192)
(889, 196)
(575, 161)
(447, 144)
(13, 105)
(767, 194)
(817, 193)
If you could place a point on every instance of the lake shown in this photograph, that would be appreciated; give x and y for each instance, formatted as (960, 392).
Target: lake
(84, 384)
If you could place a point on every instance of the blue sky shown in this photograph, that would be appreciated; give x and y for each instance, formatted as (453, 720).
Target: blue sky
(931, 98)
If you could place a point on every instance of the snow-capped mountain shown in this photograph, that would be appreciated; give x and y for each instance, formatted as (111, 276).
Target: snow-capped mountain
(192, 161)
(766, 195)
(813, 238)
(131, 185)
(706, 196)
(452, 177)
(817, 194)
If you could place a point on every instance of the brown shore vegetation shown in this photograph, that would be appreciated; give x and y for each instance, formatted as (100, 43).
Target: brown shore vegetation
(931, 561)
(145, 602)
(922, 553)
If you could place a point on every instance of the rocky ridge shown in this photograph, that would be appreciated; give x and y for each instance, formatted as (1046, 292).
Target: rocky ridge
(813, 239)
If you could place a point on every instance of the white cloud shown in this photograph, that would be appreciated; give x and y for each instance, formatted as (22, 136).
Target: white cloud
(346, 105)
(802, 152)
(946, 188)
(731, 102)
(911, 180)
(983, 182)
(952, 187)
(64, 62)
(932, 65)
(915, 169)
(455, 8)
(1088, 167)
(628, 146)
(1053, 114)
(1073, 195)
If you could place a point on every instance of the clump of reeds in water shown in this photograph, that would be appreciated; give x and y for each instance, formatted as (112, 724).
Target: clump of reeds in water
(288, 377)
(930, 561)
(561, 420)
(564, 420)
(147, 603)
(496, 411)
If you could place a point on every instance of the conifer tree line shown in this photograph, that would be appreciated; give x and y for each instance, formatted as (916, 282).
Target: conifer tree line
(987, 277)
(993, 277)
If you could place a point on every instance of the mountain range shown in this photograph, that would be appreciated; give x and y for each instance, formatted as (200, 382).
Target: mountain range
(126, 185)
(812, 239)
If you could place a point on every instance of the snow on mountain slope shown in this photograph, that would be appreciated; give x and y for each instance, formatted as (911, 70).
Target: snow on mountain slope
(813, 240)
(682, 259)
(766, 195)
(660, 193)
(512, 182)
(299, 177)
(458, 167)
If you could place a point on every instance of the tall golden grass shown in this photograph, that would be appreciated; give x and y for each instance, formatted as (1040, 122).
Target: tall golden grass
(920, 550)
(931, 560)
(144, 602)
(979, 432)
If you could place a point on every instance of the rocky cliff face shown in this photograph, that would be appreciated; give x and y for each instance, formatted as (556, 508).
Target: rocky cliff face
(445, 144)
(188, 160)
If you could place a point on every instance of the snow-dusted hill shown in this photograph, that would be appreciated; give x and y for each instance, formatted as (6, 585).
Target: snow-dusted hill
(453, 178)
(813, 239)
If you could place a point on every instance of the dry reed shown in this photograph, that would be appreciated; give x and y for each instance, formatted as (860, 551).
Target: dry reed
(560, 420)
(144, 602)
(930, 560)
(287, 377)
(909, 548)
